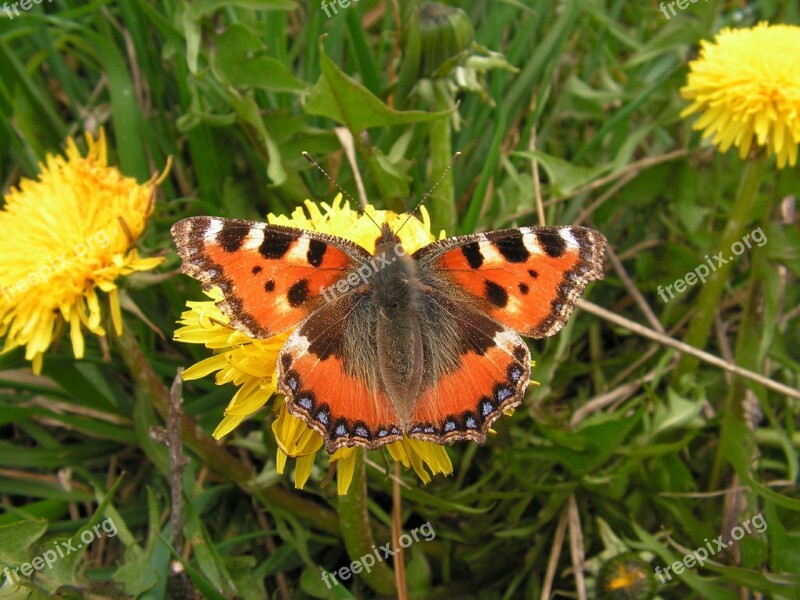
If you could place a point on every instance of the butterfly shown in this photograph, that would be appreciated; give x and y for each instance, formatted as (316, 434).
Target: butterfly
(387, 344)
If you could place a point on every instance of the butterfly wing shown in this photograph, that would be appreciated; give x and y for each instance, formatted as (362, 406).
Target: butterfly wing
(476, 370)
(328, 372)
(272, 276)
(527, 279)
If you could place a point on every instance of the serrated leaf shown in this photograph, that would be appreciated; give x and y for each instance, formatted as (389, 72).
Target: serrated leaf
(240, 61)
(340, 97)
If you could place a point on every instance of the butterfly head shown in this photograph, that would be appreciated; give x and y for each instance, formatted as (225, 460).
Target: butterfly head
(386, 241)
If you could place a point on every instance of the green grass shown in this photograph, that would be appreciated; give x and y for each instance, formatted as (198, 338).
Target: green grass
(234, 91)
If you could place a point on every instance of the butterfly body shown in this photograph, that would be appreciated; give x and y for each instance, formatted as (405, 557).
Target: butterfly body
(387, 344)
(396, 293)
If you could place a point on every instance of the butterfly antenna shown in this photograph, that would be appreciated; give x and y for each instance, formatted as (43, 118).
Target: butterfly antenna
(350, 198)
(427, 195)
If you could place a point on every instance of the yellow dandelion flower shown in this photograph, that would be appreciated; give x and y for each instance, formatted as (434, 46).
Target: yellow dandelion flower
(251, 364)
(625, 576)
(66, 235)
(746, 85)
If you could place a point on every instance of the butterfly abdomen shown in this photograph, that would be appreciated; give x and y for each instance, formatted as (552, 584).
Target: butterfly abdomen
(396, 294)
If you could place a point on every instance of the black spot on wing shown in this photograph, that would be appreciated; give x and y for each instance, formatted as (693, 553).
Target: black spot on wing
(523, 287)
(298, 293)
(496, 294)
(553, 244)
(256, 270)
(533, 273)
(472, 252)
(512, 248)
(316, 250)
(275, 245)
(269, 286)
(199, 226)
(520, 353)
(231, 237)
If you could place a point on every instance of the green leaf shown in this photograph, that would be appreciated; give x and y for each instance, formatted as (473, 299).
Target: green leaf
(312, 583)
(770, 494)
(563, 176)
(593, 444)
(678, 413)
(341, 98)
(125, 113)
(240, 61)
(209, 561)
(15, 539)
(200, 8)
(690, 577)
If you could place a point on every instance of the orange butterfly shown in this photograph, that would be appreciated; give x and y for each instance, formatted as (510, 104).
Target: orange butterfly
(388, 345)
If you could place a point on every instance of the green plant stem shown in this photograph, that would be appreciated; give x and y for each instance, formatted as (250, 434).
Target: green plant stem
(736, 443)
(711, 292)
(442, 207)
(214, 456)
(357, 533)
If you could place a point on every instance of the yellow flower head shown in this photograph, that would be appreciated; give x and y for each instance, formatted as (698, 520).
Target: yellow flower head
(67, 234)
(746, 85)
(626, 576)
(251, 364)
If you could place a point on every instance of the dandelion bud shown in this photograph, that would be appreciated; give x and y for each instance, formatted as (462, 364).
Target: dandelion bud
(445, 36)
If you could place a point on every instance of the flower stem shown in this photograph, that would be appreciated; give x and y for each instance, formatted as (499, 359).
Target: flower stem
(711, 293)
(737, 439)
(442, 207)
(356, 531)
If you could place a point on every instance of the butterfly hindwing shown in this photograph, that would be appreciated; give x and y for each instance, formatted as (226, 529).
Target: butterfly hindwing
(328, 372)
(527, 279)
(489, 376)
(272, 276)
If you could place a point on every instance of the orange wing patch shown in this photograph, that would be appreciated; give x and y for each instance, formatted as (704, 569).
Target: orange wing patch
(528, 279)
(272, 276)
(344, 408)
(463, 404)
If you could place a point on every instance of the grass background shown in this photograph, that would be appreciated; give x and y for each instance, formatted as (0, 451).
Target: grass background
(231, 90)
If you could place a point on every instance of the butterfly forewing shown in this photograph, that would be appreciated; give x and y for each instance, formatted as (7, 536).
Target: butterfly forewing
(272, 277)
(528, 279)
